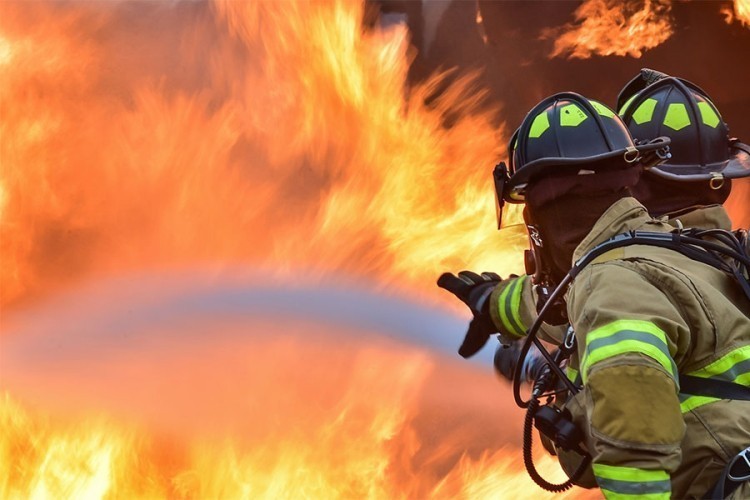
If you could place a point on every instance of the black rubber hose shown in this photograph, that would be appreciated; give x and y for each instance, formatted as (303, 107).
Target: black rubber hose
(528, 459)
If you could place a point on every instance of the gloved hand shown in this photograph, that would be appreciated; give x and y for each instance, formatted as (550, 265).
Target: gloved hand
(473, 290)
(507, 357)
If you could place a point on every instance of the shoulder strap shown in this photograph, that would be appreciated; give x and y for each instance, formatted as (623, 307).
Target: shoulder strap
(689, 243)
(714, 388)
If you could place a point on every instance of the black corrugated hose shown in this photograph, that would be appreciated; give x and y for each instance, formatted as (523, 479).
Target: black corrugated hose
(529, 461)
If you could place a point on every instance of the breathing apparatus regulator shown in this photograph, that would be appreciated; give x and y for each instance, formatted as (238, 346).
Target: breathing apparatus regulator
(571, 135)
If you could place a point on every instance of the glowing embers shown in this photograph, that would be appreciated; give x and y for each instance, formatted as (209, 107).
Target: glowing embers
(613, 27)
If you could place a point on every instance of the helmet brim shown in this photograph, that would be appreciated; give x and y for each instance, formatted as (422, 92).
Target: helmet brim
(516, 185)
(564, 166)
(736, 167)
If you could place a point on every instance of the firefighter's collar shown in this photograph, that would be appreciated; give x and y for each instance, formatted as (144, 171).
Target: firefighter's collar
(626, 214)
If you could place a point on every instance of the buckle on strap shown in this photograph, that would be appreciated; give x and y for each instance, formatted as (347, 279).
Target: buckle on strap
(739, 467)
(631, 154)
(717, 181)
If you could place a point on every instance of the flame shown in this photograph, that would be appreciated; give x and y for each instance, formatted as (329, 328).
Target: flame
(611, 27)
(287, 140)
(739, 11)
(294, 147)
(364, 438)
(99, 458)
(45, 460)
(276, 135)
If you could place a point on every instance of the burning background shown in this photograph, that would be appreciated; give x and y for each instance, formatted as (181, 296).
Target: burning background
(220, 226)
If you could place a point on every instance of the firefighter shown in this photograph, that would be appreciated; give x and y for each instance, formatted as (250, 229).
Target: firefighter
(689, 188)
(642, 315)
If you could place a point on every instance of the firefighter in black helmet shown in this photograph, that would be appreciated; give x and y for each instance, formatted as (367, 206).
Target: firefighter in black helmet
(642, 315)
(689, 188)
(704, 157)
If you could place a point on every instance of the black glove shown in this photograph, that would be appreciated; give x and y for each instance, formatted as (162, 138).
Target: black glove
(473, 290)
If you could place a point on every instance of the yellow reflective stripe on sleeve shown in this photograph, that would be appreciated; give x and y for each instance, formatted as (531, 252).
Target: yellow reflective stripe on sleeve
(693, 402)
(627, 336)
(726, 367)
(630, 482)
(571, 373)
(515, 304)
(732, 367)
(611, 495)
(509, 303)
(622, 473)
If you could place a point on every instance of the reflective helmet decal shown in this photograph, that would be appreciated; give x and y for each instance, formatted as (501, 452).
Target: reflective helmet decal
(709, 116)
(602, 109)
(538, 126)
(645, 111)
(626, 105)
(677, 116)
(571, 115)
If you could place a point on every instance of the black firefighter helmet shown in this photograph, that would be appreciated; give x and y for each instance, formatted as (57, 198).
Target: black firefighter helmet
(568, 134)
(654, 104)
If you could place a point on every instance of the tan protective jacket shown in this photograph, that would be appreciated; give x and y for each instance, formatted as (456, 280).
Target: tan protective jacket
(642, 315)
(514, 300)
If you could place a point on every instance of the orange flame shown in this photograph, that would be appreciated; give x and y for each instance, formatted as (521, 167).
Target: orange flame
(740, 11)
(368, 437)
(285, 139)
(613, 27)
(300, 149)
(98, 458)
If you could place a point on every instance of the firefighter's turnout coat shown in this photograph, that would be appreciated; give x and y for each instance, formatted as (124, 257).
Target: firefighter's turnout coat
(643, 315)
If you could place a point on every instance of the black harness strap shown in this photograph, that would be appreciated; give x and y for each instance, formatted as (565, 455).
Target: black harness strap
(737, 471)
(698, 386)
